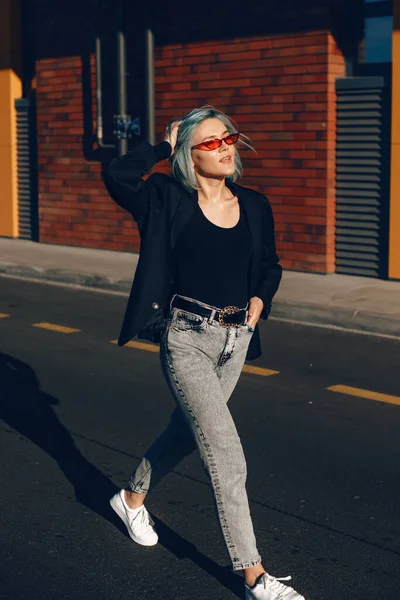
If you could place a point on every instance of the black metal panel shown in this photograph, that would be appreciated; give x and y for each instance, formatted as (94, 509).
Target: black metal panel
(362, 176)
(27, 169)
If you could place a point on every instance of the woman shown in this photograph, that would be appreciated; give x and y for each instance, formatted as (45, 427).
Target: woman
(209, 269)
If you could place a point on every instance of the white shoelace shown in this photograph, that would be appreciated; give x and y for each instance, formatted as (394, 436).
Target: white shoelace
(142, 520)
(275, 586)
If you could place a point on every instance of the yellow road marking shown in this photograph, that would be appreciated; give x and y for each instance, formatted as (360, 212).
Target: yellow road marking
(53, 327)
(4, 316)
(369, 395)
(140, 346)
(156, 348)
(259, 371)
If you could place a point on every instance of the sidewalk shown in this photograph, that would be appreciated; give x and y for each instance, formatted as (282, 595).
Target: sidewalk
(345, 301)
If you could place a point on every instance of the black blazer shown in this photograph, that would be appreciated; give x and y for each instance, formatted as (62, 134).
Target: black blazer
(161, 208)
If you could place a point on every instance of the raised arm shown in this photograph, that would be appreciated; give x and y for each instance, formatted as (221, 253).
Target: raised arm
(123, 177)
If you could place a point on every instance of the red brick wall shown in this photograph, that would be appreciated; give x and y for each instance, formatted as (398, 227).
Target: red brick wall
(280, 91)
(74, 207)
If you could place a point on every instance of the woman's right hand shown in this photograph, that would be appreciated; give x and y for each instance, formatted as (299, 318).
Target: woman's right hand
(171, 133)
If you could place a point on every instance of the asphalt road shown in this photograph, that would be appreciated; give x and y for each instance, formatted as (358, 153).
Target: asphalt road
(77, 413)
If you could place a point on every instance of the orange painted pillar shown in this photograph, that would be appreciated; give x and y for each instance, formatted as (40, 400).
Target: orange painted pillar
(394, 228)
(10, 89)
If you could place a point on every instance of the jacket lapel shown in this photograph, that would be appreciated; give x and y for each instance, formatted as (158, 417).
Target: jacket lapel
(186, 207)
(252, 213)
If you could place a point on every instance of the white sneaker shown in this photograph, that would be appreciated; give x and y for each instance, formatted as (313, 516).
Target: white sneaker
(270, 588)
(138, 521)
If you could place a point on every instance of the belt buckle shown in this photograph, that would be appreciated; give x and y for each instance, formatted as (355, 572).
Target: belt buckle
(225, 311)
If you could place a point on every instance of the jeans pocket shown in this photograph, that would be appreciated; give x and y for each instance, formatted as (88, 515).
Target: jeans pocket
(182, 320)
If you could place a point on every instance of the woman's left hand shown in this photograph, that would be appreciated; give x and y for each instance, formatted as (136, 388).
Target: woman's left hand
(171, 134)
(255, 308)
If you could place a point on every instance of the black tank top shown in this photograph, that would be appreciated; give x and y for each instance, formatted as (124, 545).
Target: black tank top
(212, 262)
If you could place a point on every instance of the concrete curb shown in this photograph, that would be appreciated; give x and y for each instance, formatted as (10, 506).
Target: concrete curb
(307, 313)
(338, 317)
(65, 276)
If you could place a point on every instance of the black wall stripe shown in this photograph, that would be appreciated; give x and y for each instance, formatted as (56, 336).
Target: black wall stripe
(27, 169)
(362, 176)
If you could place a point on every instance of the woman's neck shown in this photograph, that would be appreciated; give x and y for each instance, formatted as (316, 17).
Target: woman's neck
(213, 191)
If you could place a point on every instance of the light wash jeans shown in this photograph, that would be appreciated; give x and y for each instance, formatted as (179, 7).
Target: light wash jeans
(201, 362)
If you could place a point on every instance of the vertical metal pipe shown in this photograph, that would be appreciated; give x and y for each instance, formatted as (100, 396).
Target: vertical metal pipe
(98, 89)
(121, 74)
(150, 96)
(99, 100)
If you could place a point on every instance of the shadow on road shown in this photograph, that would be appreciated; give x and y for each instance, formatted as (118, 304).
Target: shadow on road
(29, 410)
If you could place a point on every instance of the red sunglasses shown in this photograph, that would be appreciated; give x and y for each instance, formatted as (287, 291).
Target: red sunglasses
(230, 139)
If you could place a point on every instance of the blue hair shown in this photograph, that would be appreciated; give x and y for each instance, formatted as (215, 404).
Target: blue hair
(182, 164)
